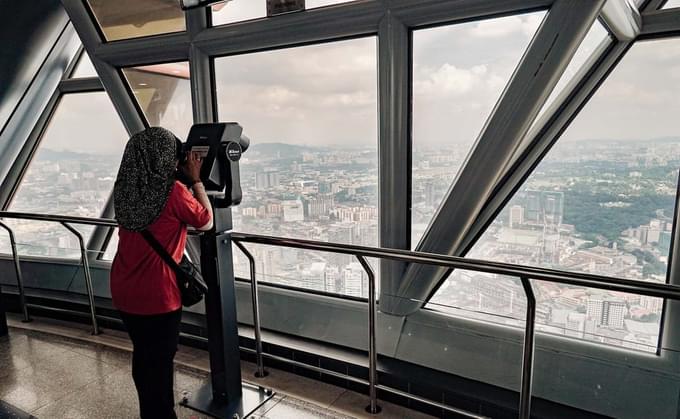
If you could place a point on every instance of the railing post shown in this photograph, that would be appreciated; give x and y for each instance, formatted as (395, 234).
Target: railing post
(17, 270)
(261, 372)
(528, 353)
(373, 407)
(88, 276)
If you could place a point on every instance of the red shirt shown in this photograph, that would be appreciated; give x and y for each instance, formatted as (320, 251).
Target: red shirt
(141, 282)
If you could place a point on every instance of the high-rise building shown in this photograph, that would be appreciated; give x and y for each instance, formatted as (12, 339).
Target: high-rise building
(293, 210)
(606, 311)
(268, 178)
(353, 279)
(516, 216)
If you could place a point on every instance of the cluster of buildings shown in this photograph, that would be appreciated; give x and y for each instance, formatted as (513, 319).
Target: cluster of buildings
(60, 183)
(321, 195)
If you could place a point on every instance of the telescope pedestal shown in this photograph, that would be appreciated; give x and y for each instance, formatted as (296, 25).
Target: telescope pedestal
(224, 396)
(252, 397)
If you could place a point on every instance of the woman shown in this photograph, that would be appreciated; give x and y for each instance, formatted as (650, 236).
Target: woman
(143, 287)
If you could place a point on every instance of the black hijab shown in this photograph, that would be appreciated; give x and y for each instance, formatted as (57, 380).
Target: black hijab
(145, 178)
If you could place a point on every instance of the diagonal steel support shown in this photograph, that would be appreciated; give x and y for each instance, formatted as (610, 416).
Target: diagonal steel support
(548, 55)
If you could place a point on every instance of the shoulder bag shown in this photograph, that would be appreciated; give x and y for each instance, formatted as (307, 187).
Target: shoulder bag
(189, 279)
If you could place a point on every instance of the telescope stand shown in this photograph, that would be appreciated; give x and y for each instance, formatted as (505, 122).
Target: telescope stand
(223, 395)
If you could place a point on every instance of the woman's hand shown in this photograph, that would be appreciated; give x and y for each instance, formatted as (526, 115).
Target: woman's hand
(192, 167)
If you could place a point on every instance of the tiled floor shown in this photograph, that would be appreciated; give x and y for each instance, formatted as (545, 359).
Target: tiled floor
(55, 369)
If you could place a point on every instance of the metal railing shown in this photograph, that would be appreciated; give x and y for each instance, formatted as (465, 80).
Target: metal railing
(65, 221)
(524, 273)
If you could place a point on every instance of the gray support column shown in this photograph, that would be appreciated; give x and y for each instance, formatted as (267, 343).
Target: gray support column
(116, 87)
(662, 23)
(202, 89)
(202, 92)
(548, 55)
(670, 335)
(394, 150)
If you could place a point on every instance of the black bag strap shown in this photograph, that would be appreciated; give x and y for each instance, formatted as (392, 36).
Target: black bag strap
(160, 250)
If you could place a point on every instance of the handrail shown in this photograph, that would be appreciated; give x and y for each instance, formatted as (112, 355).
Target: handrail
(106, 222)
(651, 289)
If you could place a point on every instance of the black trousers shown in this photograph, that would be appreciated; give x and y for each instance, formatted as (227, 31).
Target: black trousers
(154, 340)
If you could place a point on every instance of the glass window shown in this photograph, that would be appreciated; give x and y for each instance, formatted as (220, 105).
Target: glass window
(72, 172)
(232, 11)
(134, 19)
(671, 4)
(602, 201)
(237, 11)
(163, 92)
(312, 168)
(459, 73)
(311, 4)
(84, 68)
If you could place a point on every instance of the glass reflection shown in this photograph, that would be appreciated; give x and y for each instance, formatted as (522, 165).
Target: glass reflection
(124, 19)
(163, 92)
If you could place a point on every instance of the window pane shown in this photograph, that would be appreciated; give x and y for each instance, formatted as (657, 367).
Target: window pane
(84, 68)
(311, 4)
(603, 199)
(72, 172)
(459, 73)
(137, 18)
(237, 11)
(233, 11)
(671, 3)
(311, 170)
(163, 92)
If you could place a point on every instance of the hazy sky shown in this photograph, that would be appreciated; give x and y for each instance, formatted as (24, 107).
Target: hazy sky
(86, 122)
(327, 93)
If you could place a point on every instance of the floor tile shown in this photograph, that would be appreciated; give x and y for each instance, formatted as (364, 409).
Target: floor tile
(290, 408)
(110, 397)
(293, 385)
(354, 405)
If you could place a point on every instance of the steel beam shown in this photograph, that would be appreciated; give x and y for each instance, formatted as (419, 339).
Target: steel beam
(661, 23)
(394, 147)
(81, 85)
(117, 88)
(546, 58)
(353, 19)
(316, 25)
